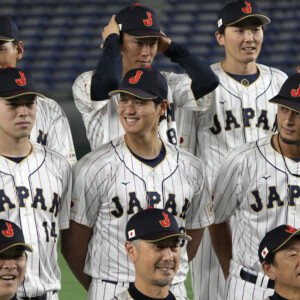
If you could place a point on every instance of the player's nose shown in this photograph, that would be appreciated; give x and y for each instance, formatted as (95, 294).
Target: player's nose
(249, 35)
(145, 50)
(8, 264)
(167, 253)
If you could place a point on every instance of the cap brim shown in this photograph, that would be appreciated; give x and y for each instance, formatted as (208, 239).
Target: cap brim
(165, 235)
(11, 95)
(6, 39)
(134, 92)
(288, 239)
(288, 103)
(145, 33)
(26, 247)
(265, 20)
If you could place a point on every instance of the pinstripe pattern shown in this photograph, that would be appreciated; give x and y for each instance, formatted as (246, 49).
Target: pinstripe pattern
(228, 99)
(38, 178)
(52, 121)
(262, 194)
(101, 119)
(110, 185)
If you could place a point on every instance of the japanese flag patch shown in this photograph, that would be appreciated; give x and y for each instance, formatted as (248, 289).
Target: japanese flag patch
(264, 252)
(131, 233)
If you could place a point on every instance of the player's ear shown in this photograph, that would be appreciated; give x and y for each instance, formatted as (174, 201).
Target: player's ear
(220, 38)
(163, 107)
(269, 270)
(131, 251)
(20, 50)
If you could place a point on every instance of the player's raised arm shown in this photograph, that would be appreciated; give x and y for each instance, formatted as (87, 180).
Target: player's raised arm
(74, 246)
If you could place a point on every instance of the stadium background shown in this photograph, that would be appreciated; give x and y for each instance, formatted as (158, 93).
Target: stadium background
(62, 39)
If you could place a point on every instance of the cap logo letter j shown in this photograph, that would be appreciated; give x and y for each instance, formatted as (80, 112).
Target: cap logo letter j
(136, 78)
(148, 22)
(21, 81)
(166, 221)
(295, 93)
(248, 8)
(291, 229)
(9, 232)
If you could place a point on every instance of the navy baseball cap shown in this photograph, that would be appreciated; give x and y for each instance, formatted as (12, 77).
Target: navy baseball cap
(289, 94)
(143, 83)
(8, 29)
(11, 235)
(237, 11)
(139, 21)
(16, 82)
(153, 225)
(275, 239)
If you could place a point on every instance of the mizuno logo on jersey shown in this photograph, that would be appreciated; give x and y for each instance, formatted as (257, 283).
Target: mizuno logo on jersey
(266, 177)
(125, 183)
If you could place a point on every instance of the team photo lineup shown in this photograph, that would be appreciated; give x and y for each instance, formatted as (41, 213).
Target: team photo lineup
(190, 184)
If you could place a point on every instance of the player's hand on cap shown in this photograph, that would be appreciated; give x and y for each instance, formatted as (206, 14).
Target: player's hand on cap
(110, 28)
(163, 44)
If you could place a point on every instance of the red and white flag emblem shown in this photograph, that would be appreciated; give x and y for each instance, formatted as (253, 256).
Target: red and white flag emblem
(264, 252)
(131, 233)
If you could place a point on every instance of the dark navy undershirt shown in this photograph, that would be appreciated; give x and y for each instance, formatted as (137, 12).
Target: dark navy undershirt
(294, 159)
(152, 162)
(277, 297)
(137, 295)
(15, 159)
(245, 80)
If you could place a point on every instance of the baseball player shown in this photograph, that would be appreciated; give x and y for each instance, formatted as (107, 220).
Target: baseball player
(153, 245)
(35, 185)
(51, 127)
(240, 114)
(279, 255)
(13, 259)
(133, 37)
(125, 176)
(259, 183)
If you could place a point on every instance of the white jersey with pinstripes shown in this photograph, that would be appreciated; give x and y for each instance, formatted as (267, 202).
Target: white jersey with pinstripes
(240, 115)
(52, 129)
(110, 185)
(101, 119)
(256, 186)
(36, 195)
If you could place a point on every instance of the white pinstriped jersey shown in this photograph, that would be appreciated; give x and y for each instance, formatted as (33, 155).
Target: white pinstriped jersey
(101, 119)
(36, 195)
(243, 114)
(110, 185)
(126, 296)
(52, 129)
(254, 184)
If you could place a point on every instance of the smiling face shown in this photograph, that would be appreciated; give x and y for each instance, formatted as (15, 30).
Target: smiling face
(12, 271)
(139, 117)
(242, 41)
(17, 117)
(155, 263)
(285, 270)
(137, 52)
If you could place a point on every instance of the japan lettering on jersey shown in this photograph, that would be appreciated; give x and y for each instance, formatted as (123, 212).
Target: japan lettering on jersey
(36, 195)
(254, 184)
(101, 119)
(110, 185)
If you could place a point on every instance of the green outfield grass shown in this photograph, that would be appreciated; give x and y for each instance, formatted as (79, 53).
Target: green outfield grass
(73, 290)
